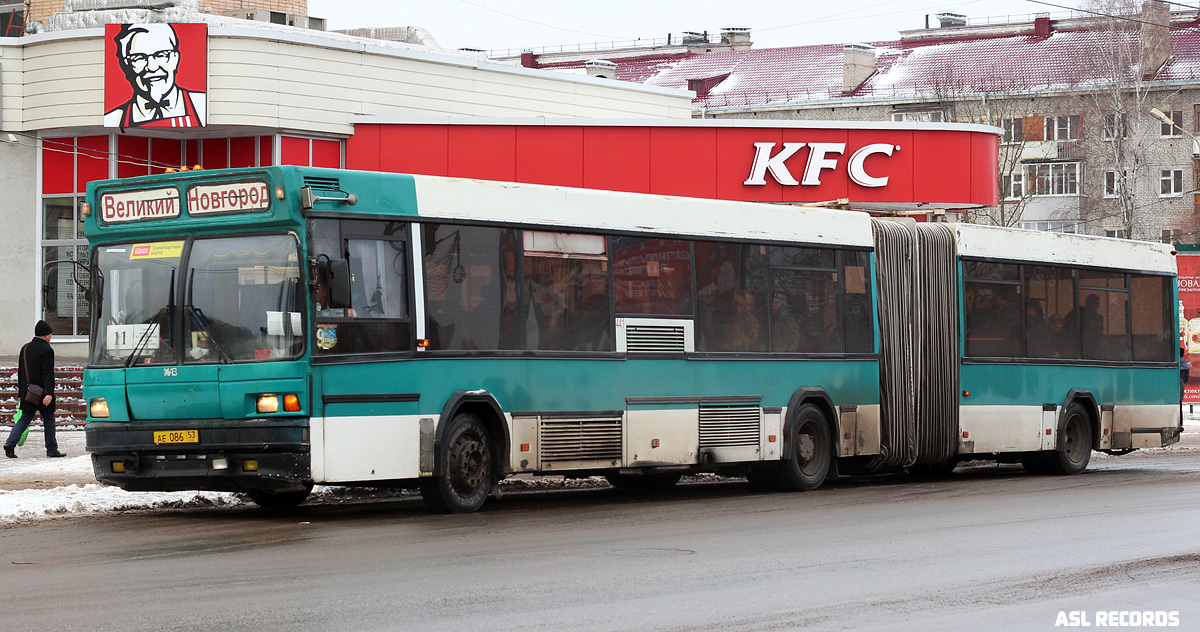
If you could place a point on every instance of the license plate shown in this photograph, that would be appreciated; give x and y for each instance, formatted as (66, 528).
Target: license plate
(177, 436)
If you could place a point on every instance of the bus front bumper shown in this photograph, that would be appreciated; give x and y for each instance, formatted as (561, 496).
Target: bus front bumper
(221, 455)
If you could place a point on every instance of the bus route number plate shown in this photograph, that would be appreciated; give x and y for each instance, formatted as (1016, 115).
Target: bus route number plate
(177, 436)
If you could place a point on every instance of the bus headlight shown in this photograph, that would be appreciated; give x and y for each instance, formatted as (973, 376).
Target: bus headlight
(98, 408)
(268, 404)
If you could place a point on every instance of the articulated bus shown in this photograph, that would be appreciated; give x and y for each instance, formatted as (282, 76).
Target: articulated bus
(264, 330)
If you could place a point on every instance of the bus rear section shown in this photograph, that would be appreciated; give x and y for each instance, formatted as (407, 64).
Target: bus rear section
(1070, 347)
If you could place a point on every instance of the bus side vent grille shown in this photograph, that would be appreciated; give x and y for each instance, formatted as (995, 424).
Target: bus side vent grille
(581, 439)
(729, 426)
(327, 184)
(654, 335)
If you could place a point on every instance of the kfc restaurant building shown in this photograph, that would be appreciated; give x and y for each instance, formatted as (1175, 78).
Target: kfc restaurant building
(88, 105)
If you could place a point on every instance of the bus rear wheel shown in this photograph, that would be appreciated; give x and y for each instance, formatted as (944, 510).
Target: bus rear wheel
(467, 457)
(1075, 449)
(811, 453)
(268, 499)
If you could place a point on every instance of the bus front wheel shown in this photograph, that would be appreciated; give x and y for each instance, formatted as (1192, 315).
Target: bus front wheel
(1075, 444)
(811, 453)
(467, 478)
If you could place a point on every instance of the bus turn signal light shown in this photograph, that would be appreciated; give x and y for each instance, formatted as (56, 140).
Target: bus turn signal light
(268, 404)
(98, 408)
(291, 403)
(250, 465)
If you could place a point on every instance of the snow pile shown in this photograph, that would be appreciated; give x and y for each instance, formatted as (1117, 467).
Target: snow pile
(92, 498)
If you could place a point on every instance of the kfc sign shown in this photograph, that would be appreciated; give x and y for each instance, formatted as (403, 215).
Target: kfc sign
(817, 161)
(155, 75)
(138, 205)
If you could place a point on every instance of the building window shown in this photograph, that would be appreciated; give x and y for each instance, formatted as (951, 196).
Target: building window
(1117, 234)
(1170, 182)
(1014, 130)
(1115, 126)
(1054, 178)
(1166, 130)
(12, 20)
(1053, 227)
(1171, 235)
(1064, 127)
(1114, 184)
(917, 117)
(64, 306)
(1012, 185)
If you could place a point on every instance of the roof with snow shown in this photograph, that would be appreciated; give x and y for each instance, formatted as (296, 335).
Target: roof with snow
(963, 61)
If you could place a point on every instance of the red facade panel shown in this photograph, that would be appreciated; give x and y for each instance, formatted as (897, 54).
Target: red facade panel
(133, 156)
(362, 149)
(422, 149)
(941, 160)
(241, 152)
(92, 160)
(326, 153)
(486, 152)
(266, 150)
(616, 159)
(58, 165)
(216, 153)
(545, 155)
(165, 152)
(294, 151)
(191, 153)
(683, 161)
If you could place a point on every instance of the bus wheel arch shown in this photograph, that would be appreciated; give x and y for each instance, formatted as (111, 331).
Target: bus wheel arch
(810, 420)
(1078, 432)
(471, 421)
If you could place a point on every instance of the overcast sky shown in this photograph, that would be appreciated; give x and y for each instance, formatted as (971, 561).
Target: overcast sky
(504, 24)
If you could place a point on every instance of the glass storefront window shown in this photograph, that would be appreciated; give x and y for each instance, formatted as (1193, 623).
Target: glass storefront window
(64, 304)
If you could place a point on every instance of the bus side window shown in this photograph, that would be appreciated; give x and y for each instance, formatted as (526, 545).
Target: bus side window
(567, 292)
(379, 320)
(1153, 317)
(471, 293)
(992, 304)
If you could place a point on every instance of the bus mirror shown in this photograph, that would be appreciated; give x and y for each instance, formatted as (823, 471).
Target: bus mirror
(339, 283)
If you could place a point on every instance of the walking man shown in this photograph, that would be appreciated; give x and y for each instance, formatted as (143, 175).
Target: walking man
(35, 366)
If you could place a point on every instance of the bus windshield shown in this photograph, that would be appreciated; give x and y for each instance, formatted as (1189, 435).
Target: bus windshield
(236, 299)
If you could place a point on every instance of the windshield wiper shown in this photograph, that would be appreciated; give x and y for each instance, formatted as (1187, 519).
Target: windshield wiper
(196, 317)
(155, 324)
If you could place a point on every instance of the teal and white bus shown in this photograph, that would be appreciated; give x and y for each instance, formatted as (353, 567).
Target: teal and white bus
(264, 330)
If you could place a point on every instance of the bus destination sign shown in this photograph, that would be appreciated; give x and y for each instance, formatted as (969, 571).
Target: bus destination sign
(236, 197)
(132, 206)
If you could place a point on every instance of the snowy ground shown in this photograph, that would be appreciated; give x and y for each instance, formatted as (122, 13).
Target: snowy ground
(36, 487)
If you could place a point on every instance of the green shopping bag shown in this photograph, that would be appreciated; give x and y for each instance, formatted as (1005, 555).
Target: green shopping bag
(24, 435)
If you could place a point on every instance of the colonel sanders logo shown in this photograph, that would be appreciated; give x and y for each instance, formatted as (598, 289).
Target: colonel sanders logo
(151, 64)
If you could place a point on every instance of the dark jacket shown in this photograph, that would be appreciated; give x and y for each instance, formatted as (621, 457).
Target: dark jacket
(37, 362)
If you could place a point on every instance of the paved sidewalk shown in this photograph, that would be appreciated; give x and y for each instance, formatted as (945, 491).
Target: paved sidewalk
(34, 470)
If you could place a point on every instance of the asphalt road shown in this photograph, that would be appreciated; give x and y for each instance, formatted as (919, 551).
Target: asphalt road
(991, 548)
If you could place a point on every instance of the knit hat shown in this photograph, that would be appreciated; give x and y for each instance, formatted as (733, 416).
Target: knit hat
(42, 328)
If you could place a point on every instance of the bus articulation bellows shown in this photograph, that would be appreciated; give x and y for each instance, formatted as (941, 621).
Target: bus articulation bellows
(264, 330)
